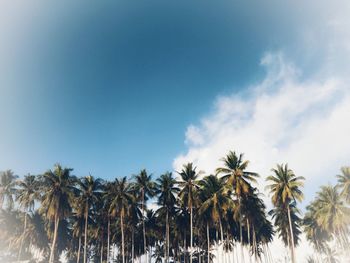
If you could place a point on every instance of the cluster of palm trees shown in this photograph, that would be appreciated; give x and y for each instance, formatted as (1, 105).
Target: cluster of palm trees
(327, 220)
(183, 217)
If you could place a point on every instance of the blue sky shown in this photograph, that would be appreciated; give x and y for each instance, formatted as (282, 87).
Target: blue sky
(112, 88)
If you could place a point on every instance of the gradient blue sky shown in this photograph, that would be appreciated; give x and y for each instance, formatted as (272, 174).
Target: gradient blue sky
(111, 87)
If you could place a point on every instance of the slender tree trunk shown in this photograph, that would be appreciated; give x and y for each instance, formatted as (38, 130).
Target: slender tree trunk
(85, 230)
(79, 248)
(102, 249)
(122, 229)
(191, 223)
(108, 234)
(208, 243)
(53, 245)
(248, 229)
(254, 242)
(22, 236)
(132, 245)
(222, 240)
(167, 237)
(291, 235)
(240, 228)
(143, 224)
(185, 246)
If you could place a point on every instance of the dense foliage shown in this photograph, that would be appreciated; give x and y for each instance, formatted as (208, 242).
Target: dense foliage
(182, 217)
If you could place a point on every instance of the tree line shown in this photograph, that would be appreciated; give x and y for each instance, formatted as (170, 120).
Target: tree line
(185, 217)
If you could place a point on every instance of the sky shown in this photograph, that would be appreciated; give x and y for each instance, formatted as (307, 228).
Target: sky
(112, 87)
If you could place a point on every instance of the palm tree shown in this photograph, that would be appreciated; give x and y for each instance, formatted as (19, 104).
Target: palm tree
(215, 202)
(90, 189)
(282, 216)
(7, 188)
(145, 187)
(134, 214)
(344, 183)
(285, 188)
(259, 229)
(166, 190)
(238, 179)
(189, 185)
(331, 213)
(121, 197)
(78, 223)
(26, 195)
(315, 234)
(58, 187)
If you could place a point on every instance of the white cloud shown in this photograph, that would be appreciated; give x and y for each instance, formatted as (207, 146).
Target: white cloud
(284, 118)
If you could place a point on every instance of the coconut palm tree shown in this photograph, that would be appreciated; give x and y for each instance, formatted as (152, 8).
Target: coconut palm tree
(58, 188)
(145, 186)
(121, 197)
(344, 183)
(78, 222)
(166, 190)
(215, 202)
(235, 173)
(134, 214)
(26, 194)
(315, 234)
(287, 223)
(285, 188)
(90, 192)
(189, 184)
(258, 228)
(7, 188)
(332, 214)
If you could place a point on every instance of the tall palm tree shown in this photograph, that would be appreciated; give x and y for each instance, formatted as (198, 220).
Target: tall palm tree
(78, 222)
(121, 197)
(332, 214)
(189, 184)
(285, 188)
(134, 214)
(7, 188)
(145, 186)
(238, 179)
(166, 190)
(58, 187)
(90, 192)
(344, 183)
(282, 216)
(215, 202)
(26, 195)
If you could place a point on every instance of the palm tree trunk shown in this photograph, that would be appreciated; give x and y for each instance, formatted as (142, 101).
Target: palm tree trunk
(85, 231)
(102, 249)
(240, 228)
(24, 230)
(208, 243)
(108, 234)
(185, 246)
(191, 224)
(254, 242)
(53, 245)
(167, 237)
(143, 224)
(291, 235)
(79, 248)
(122, 229)
(248, 229)
(222, 240)
(132, 246)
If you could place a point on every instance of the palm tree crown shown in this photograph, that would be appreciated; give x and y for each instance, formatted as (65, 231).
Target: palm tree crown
(344, 183)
